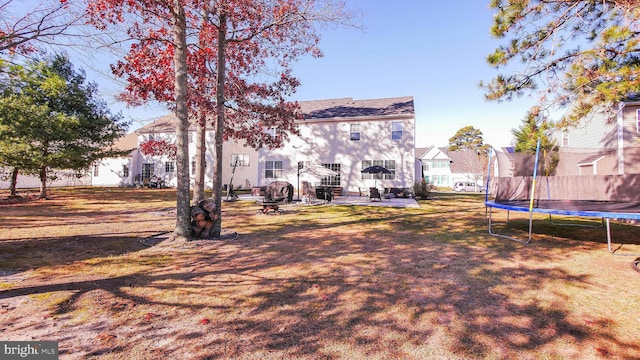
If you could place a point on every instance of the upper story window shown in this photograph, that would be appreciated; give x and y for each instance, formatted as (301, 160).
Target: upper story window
(273, 169)
(354, 134)
(396, 130)
(565, 138)
(152, 136)
(239, 160)
(273, 132)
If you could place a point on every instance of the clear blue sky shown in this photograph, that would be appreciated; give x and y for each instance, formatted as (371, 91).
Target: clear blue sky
(432, 50)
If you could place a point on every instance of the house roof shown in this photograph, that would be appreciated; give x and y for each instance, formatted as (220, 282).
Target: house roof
(590, 160)
(349, 108)
(462, 161)
(420, 152)
(162, 124)
(319, 109)
(127, 142)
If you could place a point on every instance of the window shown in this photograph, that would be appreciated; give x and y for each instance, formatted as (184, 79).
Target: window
(96, 170)
(125, 170)
(147, 171)
(333, 180)
(391, 166)
(565, 138)
(169, 166)
(638, 120)
(388, 164)
(303, 164)
(354, 132)
(152, 136)
(239, 160)
(193, 165)
(273, 169)
(396, 130)
(425, 167)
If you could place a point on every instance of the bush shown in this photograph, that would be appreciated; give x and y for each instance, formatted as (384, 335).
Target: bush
(422, 189)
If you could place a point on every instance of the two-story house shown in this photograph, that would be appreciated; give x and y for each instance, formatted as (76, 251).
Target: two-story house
(442, 167)
(344, 135)
(597, 146)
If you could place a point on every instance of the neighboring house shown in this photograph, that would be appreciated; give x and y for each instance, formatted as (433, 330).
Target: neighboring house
(436, 166)
(598, 147)
(344, 135)
(117, 171)
(442, 167)
(61, 178)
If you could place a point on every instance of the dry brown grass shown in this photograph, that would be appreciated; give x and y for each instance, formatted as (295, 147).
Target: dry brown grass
(321, 282)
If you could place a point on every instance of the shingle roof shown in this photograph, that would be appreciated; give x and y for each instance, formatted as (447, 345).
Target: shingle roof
(319, 109)
(163, 124)
(127, 142)
(349, 108)
(462, 161)
(420, 152)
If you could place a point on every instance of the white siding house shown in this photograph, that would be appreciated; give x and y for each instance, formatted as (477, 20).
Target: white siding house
(344, 135)
(117, 171)
(442, 167)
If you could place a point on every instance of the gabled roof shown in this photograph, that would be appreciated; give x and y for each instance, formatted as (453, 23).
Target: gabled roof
(163, 124)
(128, 142)
(319, 109)
(433, 153)
(591, 160)
(420, 152)
(349, 108)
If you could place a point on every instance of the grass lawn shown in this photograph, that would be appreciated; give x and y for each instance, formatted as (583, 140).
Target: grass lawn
(316, 282)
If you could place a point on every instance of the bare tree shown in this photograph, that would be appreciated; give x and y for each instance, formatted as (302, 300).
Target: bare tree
(22, 29)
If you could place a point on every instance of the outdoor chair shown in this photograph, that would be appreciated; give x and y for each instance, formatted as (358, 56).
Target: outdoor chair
(374, 194)
(309, 191)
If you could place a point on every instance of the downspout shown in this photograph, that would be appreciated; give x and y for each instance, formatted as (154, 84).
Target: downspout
(620, 139)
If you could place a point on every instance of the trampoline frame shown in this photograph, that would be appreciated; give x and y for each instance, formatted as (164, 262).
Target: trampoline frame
(605, 216)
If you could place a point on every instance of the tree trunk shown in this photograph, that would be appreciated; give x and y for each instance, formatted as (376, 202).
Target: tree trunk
(182, 231)
(219, 128)
(201, 134)
(43, 182)
(14, 182)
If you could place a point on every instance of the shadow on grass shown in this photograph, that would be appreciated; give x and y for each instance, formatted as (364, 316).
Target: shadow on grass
(336, 281)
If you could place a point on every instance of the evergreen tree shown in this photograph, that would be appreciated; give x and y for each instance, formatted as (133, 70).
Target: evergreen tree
(527, 135)
(578, 53)
(468, 138)
(51, 119)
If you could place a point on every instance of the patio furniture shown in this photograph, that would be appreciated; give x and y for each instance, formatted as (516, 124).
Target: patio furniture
(374, 194)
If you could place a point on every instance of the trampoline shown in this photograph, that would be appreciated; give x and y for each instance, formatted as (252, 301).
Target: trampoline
(605, 210)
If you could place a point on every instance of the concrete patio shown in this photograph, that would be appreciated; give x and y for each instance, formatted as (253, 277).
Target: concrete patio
(352, 200)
